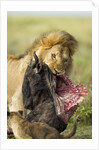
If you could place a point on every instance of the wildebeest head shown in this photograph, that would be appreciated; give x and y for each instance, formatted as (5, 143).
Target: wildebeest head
(38, 83)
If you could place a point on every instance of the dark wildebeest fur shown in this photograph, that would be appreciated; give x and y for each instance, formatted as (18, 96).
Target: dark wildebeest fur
(39, 94)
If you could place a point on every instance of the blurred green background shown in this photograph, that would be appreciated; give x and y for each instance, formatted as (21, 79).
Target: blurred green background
(23, 29)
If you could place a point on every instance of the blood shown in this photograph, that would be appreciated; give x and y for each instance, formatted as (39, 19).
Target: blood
(68, 97)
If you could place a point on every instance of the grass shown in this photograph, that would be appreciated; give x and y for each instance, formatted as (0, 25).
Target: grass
(82, 132)
(22, 31)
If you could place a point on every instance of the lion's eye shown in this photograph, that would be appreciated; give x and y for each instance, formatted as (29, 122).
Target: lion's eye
(53, 56)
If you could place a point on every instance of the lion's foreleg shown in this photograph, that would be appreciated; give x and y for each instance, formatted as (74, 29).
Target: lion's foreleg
(16, 102)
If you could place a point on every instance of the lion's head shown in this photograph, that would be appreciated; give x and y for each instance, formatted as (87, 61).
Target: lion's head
(56, 49)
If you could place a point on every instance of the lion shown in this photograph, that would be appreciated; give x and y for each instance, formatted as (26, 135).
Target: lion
(55, 48)
(23, 129)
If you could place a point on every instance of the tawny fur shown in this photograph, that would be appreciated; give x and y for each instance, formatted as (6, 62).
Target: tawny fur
(55, 48)
(22, 129)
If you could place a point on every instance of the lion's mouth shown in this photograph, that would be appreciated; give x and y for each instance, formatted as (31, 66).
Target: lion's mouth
(68, 96)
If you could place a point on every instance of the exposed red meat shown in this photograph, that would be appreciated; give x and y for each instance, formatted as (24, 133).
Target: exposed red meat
(67, 98)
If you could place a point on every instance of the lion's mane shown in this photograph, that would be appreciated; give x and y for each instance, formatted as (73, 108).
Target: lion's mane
(55, 48)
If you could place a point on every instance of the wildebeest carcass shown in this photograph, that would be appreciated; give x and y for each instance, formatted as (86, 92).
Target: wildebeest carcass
(39, 95)
(48, 101)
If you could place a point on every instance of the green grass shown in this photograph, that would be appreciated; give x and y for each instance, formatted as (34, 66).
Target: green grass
(82, 132)
(22, 31)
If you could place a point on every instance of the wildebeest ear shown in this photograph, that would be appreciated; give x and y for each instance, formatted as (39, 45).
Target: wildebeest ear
(20, 112)
(8, 113)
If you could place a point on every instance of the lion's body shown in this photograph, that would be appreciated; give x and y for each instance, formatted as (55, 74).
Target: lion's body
(15, 70)
(54, 48)
(15, 73)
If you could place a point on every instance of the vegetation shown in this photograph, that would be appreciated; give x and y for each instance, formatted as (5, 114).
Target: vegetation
(22, 31)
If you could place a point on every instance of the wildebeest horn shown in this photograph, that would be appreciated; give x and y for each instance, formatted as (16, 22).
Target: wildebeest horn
(35, 57)
(35, 62)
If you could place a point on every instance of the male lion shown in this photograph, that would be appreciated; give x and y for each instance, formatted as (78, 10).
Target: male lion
(55, 48)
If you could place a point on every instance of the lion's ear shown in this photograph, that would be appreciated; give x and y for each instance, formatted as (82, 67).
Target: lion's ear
(45, 42)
